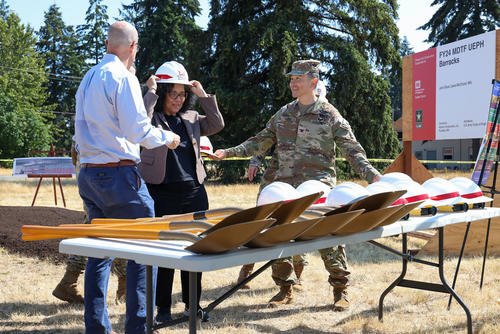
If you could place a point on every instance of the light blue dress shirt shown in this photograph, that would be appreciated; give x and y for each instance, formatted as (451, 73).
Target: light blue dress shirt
(111, 120)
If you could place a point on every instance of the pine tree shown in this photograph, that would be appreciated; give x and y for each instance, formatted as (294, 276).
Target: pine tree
(58, 45)
(22, 93)
(93, 32)
(459, 19)
(166, 30)
(255, 42)
(4, 9)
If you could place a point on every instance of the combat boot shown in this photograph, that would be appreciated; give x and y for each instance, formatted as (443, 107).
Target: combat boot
(121, 290)
(340, 301)
(67, 289)
(245, 271)
(298, 268)
(285, 296)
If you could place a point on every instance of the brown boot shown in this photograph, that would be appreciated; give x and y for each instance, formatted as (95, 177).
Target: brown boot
(121, 290)
(67, 289)
(285, 296)
(298, 268)
(340, 301)
(245, 271)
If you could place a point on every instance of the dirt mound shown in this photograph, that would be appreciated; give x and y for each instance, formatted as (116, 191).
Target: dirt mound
(13, 217)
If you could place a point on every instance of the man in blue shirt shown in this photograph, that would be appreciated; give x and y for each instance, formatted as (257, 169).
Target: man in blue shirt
(110, 124)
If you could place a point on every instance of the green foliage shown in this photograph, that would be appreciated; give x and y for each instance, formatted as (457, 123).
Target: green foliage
(456, 20)
(253, 44)
(93, 33)
(164, 28)
(226, 171)
(58, 44)
(22, 130)
(21, 91)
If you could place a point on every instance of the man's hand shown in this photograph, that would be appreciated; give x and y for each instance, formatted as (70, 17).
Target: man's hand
(376, 178)
(175, 142)
(252, 172)
(220, 154)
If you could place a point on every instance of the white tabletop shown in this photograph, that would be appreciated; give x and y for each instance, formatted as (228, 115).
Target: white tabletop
(171, 254)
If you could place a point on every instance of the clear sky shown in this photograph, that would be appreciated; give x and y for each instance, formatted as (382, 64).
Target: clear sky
(412, 14)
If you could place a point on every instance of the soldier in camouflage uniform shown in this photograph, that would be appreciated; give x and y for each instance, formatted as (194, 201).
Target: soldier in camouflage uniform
(67, 290)
(306, 133)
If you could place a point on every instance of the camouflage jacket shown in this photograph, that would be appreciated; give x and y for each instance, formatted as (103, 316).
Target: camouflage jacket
(306, 143)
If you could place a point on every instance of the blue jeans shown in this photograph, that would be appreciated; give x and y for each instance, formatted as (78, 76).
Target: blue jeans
(116, 192)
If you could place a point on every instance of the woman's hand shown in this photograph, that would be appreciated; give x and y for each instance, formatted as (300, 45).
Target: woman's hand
(151, 83)
(197, 89)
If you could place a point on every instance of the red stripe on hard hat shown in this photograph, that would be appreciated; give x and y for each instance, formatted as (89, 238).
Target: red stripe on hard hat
(473, 195)
(164, 76)
(412, 199)
(400, 201)
(445, 196)
(320, 200)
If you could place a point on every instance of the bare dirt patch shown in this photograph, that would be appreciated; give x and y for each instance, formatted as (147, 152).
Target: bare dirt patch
(13, 217)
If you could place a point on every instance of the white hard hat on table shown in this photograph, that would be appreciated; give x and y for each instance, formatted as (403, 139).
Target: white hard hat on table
(277, 191)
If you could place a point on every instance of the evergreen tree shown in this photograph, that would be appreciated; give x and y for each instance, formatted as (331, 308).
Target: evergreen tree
(166, 30)
(22, 93)
(459, 19)
(93, 32)
(4, 9)
(59, 46)
(396, 80)
(255, 42)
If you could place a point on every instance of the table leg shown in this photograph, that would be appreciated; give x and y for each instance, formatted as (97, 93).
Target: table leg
(149, 300)
(459, 261)
(445, 283)
(397, 281)
(62, 192)
(485, 253)
(193, 302)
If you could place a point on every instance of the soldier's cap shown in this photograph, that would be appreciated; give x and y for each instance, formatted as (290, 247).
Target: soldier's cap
(301, 67)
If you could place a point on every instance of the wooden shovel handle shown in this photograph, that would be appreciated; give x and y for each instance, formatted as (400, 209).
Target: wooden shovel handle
(31, 231)
(198, 215)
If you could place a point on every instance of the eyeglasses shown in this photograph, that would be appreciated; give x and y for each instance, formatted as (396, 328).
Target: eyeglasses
(174, 95)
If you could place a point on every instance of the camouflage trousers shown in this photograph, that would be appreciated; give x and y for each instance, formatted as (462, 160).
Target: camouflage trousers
(77, 263)
(335, 262)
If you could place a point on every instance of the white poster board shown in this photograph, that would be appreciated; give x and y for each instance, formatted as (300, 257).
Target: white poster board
(43, 166)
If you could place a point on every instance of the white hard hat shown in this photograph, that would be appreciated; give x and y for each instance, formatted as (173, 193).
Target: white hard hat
(206, 147)
(382, 187)
(172, 72)
(320, 89)
(470, 192)
(277, 191)
(314, 186)
(415, 192)
(395, 177)
(346, 193)
(442, 191)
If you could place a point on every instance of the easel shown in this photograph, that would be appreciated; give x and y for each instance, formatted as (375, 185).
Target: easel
(53, 176)
(491, 190)
(41, 176)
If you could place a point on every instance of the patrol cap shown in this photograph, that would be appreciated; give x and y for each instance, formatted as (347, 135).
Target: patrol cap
(301, 67)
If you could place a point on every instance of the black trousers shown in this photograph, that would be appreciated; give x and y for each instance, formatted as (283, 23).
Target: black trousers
(176, 198)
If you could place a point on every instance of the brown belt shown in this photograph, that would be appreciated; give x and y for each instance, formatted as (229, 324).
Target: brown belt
(110, 164)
